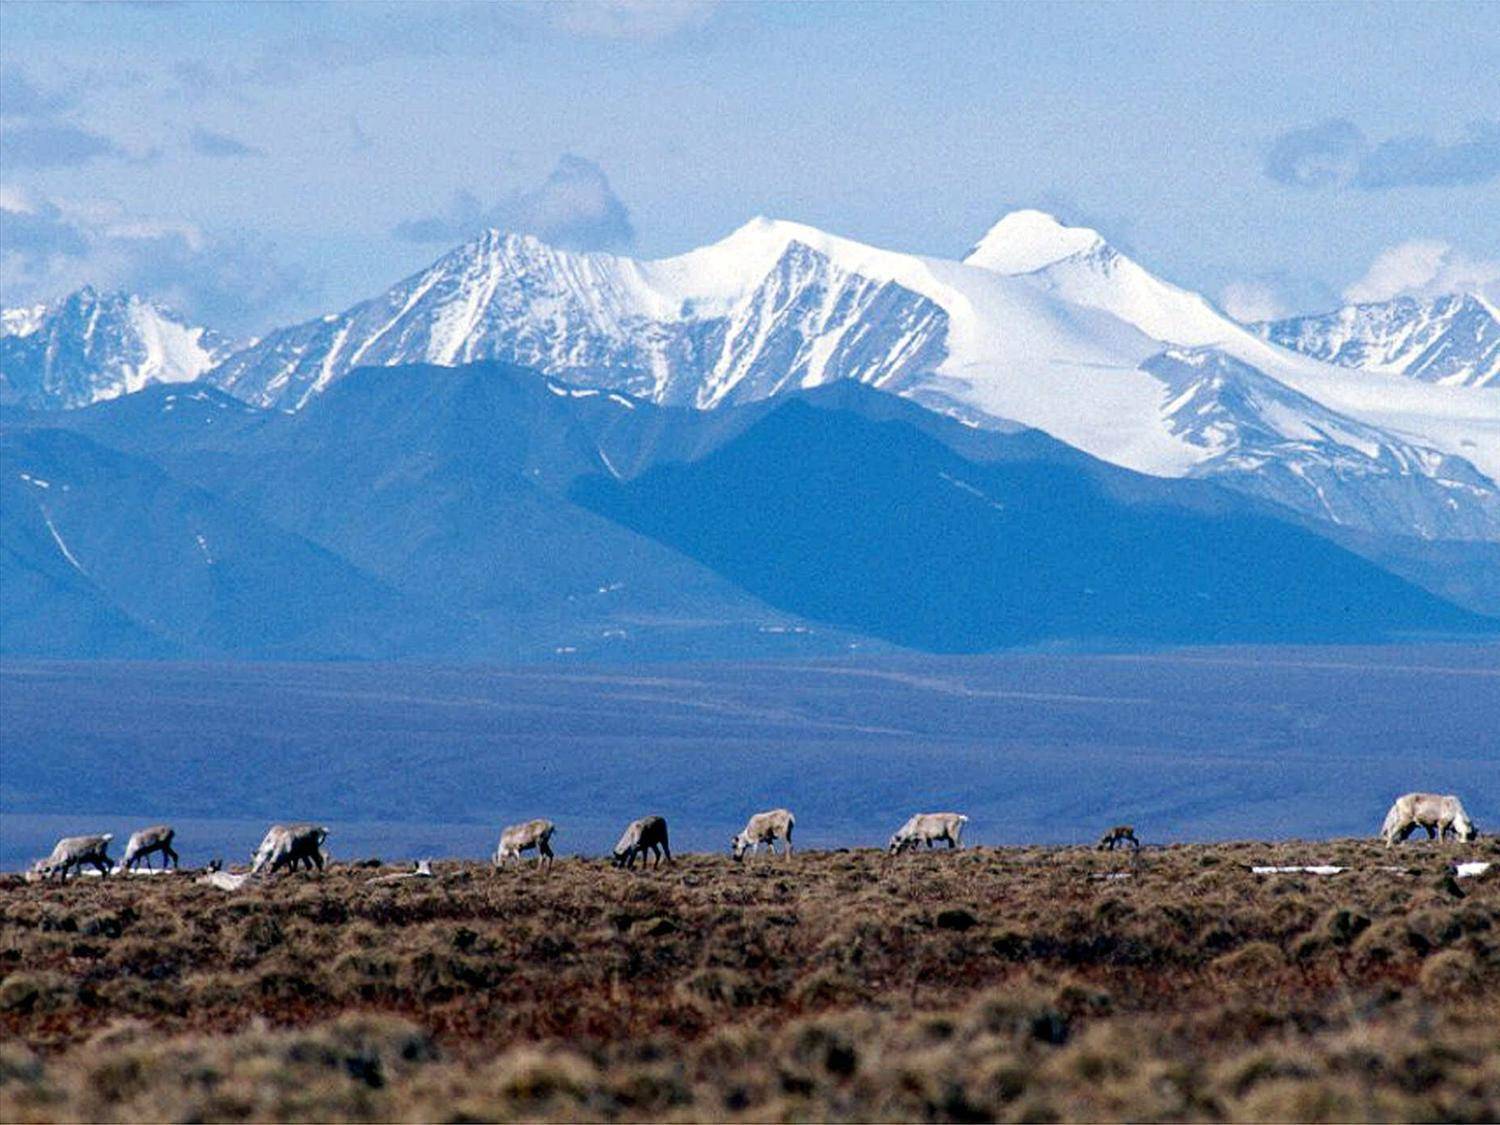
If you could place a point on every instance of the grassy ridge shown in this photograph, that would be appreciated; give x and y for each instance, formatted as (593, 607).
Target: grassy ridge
(990, 983)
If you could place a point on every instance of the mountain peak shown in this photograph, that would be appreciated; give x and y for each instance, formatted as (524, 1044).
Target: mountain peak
(492, 238)
(90, 346)
(766, 233)
(1452, 339)
(1028, 240)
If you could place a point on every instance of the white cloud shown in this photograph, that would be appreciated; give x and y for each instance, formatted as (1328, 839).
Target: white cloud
(49, 247)
(573, 208)
(1424, 267)
(1249, 301)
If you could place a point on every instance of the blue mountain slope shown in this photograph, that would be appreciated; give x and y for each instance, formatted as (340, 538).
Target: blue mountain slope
(487, 512)
(449, 485)
(107, 555)
(877, 527)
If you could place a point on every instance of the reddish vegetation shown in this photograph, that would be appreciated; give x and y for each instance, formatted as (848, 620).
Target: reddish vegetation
(987, 983)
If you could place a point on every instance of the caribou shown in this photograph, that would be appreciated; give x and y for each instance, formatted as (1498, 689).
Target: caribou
(928, 828)
(517, 838)
(765, 828)
(647, 834)
(287, 845)
(74, 852)
(140, 846)
(1119, 836)
(1439, 815)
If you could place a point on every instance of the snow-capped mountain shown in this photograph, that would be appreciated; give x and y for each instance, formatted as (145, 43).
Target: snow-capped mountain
(1268, 440)
(1042, 324)
(92, 346)
(1078, 265)
(736, 321)
(1452, 340)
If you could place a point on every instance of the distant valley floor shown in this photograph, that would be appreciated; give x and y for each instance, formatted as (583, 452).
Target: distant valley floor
(404, 761)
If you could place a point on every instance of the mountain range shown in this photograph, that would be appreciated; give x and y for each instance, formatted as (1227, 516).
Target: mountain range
(486, 511)
(756, 446)
(1453, 340)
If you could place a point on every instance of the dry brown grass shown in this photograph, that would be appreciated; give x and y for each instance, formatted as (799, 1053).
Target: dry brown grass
(986, 984)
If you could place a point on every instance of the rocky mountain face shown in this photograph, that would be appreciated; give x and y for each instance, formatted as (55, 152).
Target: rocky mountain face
(1452, 340)
(93, 346)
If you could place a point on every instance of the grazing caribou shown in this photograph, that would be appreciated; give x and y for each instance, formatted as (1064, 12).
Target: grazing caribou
(1439, 815)
(647, 834)
(518, 838)
(157, 838)
(928, 828)
(765, 828)
(287, 845)
(1118, 836)
(74, 852)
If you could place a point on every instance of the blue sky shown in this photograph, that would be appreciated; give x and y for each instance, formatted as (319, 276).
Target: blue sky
(258, 163)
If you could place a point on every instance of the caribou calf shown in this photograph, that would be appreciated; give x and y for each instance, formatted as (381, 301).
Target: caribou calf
(74, 852)
(647, 834)
(765, 828)
(928, 828)
(287, 845)
(157, 838)
(1118, 836)
(533, 835)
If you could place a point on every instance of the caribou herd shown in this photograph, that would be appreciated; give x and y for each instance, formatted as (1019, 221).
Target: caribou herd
(286, 847)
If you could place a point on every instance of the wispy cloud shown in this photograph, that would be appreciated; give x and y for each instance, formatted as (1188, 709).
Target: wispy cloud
(575, 207)
(1273, 294)
(20, 97)
(206, 142)
(53, 144)
(1249, 301)
(635, 20)
(359, 140)
(1423, 162)
(38, 128)
(49, 247)
(1425, 268)
(399, 33)
(1337, 153)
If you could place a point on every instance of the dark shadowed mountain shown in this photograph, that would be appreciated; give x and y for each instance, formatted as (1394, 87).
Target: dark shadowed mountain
(877, 527)
(487, 512)
(447, 486)
(106, 554)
